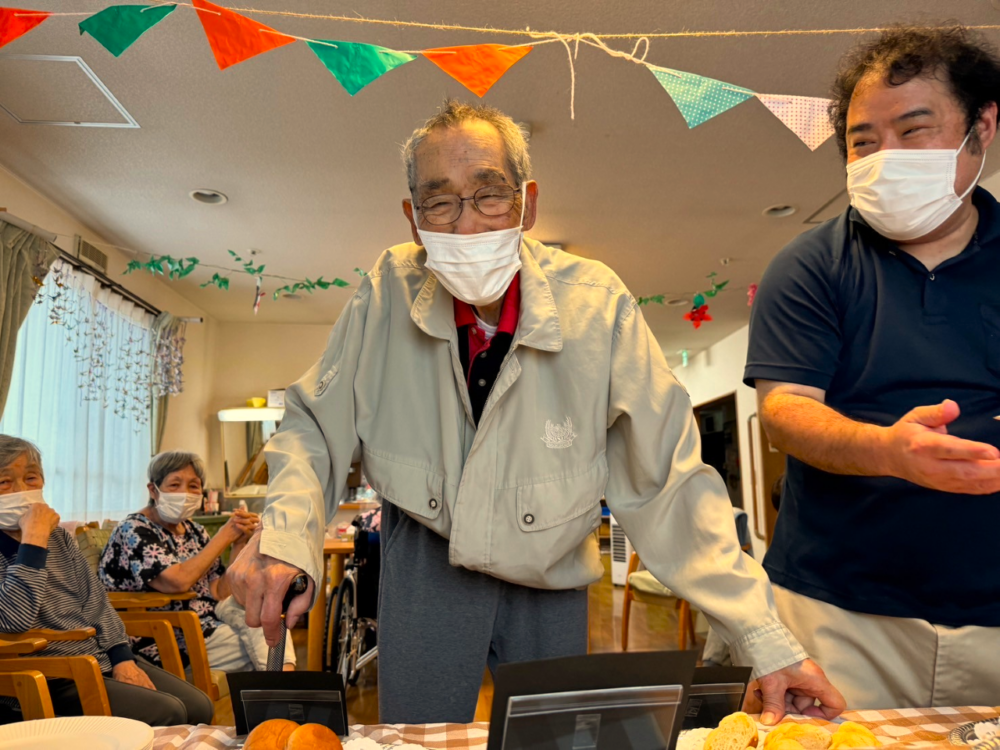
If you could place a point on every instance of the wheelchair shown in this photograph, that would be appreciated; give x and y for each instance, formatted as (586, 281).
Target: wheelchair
(351, 640)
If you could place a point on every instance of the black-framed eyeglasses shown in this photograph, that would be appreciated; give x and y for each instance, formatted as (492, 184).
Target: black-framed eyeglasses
(490, 200)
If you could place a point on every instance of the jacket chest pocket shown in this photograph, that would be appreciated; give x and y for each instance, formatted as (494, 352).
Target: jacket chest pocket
(991, 327)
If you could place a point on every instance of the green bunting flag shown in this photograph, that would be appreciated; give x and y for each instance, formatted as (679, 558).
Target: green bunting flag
(116, 28)
(697, 97)
(356, 65)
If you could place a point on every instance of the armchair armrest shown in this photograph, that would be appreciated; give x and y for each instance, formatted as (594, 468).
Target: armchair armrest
(83, 670)
(138, 605)
(23, 646)
(161, 631)
(31, 691)
(143, 595)
(77, 634)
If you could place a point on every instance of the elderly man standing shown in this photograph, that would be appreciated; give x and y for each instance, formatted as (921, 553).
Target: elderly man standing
(875, 350)
(495, 390)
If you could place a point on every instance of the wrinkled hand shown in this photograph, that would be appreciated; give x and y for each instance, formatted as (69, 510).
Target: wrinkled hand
(921, 451)
(259, 582)
(241, 525)
(794, 690)
(37, 524)
(130, 674)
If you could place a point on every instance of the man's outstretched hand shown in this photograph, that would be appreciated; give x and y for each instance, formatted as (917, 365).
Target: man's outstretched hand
(794, 690)
(259, 583)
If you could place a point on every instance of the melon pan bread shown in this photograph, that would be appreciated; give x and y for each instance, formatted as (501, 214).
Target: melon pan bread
(282, 734)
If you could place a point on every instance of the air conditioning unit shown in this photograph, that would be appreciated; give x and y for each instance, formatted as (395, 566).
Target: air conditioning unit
(621, 553)
(87, 253)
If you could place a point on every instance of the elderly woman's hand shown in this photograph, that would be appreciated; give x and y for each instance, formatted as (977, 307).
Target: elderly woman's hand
(37, 524)
(130, 674)
(241, 525)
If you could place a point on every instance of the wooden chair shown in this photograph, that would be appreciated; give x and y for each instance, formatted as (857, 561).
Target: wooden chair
(28, 686)
(134, 611)
(83, 670)
(641, 586)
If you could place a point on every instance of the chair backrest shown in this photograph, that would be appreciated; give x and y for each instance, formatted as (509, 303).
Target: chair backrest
(92, 543)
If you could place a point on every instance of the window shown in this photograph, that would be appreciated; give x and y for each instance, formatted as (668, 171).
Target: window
(81, 392)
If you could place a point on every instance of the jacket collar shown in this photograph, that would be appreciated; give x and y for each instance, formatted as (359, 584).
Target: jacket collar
(433, 310)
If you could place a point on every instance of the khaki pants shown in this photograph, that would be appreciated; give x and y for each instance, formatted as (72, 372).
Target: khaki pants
(893, 662)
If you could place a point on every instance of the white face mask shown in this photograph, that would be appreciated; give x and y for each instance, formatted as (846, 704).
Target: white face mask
(475, 268)
(15, 505)
(175, 507)
(904, 194)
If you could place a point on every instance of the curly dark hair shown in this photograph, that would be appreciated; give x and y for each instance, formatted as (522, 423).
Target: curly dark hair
(964, 60)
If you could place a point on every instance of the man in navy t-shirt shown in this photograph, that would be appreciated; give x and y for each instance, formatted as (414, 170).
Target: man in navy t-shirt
(875, 352)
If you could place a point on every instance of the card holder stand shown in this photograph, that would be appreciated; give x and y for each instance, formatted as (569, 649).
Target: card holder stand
(641, 718)
(593, 702)
(302, 697)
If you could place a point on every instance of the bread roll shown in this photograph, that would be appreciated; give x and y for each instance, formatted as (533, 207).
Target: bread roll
(807, 735)
(786, 745)
(736, 732)
(313, 737)
(851, 734)
(272, 734)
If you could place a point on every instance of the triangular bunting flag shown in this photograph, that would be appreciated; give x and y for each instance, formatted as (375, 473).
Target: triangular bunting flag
(15, 22)
(699, 98)
(806, 116)
(118, 27)
(477, 66)
(235, 38)
(356, 65)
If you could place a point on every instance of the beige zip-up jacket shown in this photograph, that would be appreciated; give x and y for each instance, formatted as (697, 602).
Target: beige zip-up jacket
(584, 407)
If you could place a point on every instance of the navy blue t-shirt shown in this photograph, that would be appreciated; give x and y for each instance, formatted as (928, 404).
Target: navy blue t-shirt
(843, 309)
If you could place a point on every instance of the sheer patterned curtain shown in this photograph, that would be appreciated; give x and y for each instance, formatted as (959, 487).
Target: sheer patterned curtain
(80, 390)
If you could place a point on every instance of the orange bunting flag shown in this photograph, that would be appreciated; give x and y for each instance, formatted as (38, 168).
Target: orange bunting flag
(235, 38)
(477, 66)
(15, 22)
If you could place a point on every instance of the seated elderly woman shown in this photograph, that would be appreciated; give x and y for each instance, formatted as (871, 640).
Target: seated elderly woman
(161, 549)
(45, 582)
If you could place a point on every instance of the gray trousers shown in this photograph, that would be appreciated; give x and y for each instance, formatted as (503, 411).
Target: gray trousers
(439, 627)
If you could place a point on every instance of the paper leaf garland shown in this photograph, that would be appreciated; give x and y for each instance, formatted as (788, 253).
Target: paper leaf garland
(15, 22)
(697, 97)
(356, 65)
(476, 66)
(118, 27)
(220, 281)
(698, 315)
(235, 38)
(806, 116)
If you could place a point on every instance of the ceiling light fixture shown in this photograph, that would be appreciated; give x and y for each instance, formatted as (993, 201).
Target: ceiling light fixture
(208, 196)
(677, 302)
(779, 211)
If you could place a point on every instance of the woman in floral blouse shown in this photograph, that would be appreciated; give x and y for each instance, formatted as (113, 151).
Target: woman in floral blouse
(161, 549)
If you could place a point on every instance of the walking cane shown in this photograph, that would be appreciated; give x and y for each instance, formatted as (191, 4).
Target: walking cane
(276, 654)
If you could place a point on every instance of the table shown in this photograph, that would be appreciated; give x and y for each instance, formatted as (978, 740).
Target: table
(913, 726)
(337, 550)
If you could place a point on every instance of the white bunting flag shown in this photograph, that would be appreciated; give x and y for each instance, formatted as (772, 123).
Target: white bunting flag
(806, 116)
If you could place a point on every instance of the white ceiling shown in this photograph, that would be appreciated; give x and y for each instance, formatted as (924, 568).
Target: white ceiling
(313, 176)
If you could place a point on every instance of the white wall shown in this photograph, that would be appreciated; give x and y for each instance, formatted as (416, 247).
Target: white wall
(188, 425)
(718, 372)
(251, 358)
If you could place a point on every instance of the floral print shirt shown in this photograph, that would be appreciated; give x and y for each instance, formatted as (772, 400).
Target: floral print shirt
(139, 551)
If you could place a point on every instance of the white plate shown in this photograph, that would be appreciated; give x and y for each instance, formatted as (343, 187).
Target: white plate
(78, 733)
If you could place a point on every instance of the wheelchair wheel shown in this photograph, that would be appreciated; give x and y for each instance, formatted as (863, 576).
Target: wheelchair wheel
(344, 626)
(330, 633)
